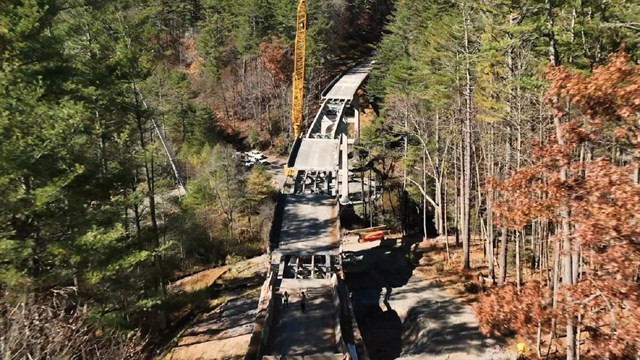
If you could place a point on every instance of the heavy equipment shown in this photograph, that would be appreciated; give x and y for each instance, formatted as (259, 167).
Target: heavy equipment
(298, 69)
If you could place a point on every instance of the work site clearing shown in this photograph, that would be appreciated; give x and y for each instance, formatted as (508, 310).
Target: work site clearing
(430, 316)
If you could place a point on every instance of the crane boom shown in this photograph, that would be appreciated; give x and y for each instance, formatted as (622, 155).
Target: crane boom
(298, 69)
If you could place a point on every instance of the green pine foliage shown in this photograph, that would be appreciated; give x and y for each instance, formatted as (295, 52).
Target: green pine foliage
(85, 188)
(419, 82)
(88, 200)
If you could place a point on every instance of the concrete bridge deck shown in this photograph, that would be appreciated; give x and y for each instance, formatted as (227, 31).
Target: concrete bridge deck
(310, 229)
(346, 87)
(308, 333)
(310, 225)
(317, 154)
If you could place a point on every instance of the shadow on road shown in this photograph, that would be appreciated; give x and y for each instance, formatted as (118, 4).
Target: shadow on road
(310, 224)
(433, 327)
(401, 315)
(384, 269)
(381, 330)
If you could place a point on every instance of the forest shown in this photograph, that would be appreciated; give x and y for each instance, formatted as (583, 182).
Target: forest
(520, 128)
(511, 124)
(94, 223)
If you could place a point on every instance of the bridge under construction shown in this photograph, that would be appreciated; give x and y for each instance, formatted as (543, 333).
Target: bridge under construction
(305, 240)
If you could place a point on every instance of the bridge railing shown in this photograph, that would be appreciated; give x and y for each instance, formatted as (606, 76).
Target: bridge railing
(337, 313)
(349, 327)
(264, 317)
(326, 90)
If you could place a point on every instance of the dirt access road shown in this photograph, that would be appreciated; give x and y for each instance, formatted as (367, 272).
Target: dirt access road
(417, 319)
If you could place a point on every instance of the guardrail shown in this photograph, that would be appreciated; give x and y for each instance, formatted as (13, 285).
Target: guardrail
(337, 313)
(328, 87)
(264, 316)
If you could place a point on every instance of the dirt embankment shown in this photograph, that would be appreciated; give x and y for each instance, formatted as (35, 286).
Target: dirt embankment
(220, 313)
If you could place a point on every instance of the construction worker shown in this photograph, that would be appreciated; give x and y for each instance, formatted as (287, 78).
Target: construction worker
(522, 350)
(303, 300)
(285, 300)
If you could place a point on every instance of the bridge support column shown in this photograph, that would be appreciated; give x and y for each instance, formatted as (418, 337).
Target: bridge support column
(327, 182)
(327, 263)
(344, 168)
(356, 125)
(297, 266)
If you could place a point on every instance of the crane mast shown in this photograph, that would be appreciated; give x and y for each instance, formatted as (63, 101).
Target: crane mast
(298, 69)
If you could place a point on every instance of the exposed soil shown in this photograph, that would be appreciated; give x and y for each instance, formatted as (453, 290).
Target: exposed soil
(221, 317)
(449, 276)
(198, 280)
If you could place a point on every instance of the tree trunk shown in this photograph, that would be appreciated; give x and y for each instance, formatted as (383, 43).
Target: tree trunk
(424, 196)
(567, 263)
(149, 175)
(466, 173)
(490, 195)
(446, 230)
(370, 198)
(364, 203)
(404, 178)
(456, 203)
(490, 254)
(568, 250)
(518, 268)
(502, 260)
(440, 213)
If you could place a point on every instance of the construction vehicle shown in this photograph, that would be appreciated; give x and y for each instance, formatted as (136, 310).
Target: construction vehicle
(298, 69)
(374, 233)
(372, 236)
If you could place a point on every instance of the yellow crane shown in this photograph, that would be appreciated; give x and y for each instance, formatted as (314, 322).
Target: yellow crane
(298, 69)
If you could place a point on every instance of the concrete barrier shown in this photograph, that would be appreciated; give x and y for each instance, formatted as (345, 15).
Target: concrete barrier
(342, 346)
(324, 92)
(294, 152)
(350, 326)
(276, 224)
(264, 316)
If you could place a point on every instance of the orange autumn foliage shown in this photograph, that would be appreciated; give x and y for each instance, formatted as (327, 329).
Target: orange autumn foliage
(273, 58)
(600, 113)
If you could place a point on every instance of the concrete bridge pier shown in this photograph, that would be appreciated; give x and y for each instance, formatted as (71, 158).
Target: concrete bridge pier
(344, 170)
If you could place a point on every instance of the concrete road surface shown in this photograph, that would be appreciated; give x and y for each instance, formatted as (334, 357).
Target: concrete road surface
(349, 83)
(308, 333)
(317, 154)
(309, 225)
(403, 316)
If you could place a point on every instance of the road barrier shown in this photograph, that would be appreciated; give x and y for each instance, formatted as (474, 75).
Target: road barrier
(264, 316)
